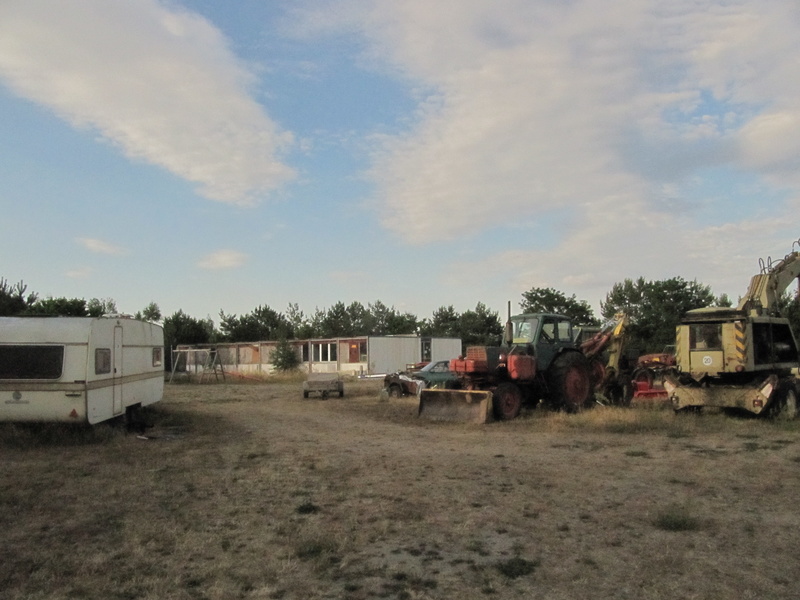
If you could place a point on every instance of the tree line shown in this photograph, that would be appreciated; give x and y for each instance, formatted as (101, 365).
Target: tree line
(654, 309)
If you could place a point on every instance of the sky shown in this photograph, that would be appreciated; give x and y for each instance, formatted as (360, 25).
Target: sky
(219, 156)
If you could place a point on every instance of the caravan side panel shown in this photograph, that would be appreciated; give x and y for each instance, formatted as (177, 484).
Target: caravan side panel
(134, 373)
(43, 369)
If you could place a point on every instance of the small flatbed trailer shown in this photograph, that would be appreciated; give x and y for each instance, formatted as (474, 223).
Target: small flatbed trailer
(323, 384)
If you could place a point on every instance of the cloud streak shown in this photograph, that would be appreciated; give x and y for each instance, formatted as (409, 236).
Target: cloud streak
(222, 259)
(100, 246)
(158, 83)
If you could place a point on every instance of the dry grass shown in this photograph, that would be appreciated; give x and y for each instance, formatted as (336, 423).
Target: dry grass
(249, 491)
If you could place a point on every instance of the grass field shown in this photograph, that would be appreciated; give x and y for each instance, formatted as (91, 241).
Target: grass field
(249, 491)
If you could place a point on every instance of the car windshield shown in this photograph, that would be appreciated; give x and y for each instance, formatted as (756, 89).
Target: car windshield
(435, 367)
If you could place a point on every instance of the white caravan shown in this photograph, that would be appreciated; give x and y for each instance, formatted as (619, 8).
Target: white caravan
(78, 369)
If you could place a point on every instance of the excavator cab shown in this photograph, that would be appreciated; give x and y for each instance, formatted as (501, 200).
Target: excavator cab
(741, 358)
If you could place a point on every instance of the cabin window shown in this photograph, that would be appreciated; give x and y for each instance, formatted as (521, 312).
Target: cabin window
(564, 331)
(773, 344)
(158, 357)
(523, 331)
(325, 352)
(425, 354)
(102, 361)
(707, 336)
(549, 331)
(31, 361)
(783, 340)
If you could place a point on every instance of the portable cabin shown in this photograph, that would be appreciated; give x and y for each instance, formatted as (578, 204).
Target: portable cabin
(78, 369)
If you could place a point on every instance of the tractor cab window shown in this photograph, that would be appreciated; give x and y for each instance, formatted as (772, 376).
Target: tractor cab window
(706, 336)
(524, 331)
(550, 331)
(556, 330)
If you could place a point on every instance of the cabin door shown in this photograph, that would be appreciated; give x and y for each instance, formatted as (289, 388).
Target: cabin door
(118, 370)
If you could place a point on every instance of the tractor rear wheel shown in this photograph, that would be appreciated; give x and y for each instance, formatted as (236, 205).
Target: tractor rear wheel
(506, 401)
(570, 381)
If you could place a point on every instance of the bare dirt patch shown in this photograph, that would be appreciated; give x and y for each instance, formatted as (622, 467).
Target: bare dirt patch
(250, 491)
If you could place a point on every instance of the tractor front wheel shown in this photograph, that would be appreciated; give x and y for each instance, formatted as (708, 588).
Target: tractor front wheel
(506, 401)
(571, 381)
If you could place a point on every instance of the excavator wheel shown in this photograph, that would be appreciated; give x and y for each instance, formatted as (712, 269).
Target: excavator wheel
(506, 401)
(571, 381)
(786, 407)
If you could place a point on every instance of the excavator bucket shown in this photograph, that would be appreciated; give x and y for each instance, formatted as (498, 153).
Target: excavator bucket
(464, 406)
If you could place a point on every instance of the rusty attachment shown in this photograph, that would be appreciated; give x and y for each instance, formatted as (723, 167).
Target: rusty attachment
(461, 406)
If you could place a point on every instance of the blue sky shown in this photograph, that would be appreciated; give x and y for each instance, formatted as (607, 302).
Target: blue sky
(216, 156)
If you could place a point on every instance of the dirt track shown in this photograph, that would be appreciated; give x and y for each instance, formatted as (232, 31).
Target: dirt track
(257, 493)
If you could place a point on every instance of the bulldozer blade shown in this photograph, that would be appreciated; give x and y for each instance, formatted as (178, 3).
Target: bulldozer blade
(464, 406)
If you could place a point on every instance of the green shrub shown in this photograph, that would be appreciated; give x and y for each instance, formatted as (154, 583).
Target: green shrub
(285, 357)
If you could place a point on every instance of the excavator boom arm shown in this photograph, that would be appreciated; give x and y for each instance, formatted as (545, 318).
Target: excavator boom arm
(767, 287)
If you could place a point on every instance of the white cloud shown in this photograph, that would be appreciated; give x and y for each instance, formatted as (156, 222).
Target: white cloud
(771, 142)
(158, 82)
(588, 111)
(222, 259)
(100, 246)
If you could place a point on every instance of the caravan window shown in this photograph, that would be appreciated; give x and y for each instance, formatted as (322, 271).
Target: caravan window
(31, 362)
(102, 361)
(157, 356)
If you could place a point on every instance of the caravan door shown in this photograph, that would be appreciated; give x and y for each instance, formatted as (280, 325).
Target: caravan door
(118, 405)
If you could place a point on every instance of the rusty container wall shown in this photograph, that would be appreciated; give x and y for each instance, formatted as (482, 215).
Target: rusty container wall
(226, 355)
(248, 358)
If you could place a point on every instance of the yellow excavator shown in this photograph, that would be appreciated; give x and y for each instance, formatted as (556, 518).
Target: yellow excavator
(614, 373)
(740, 359)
